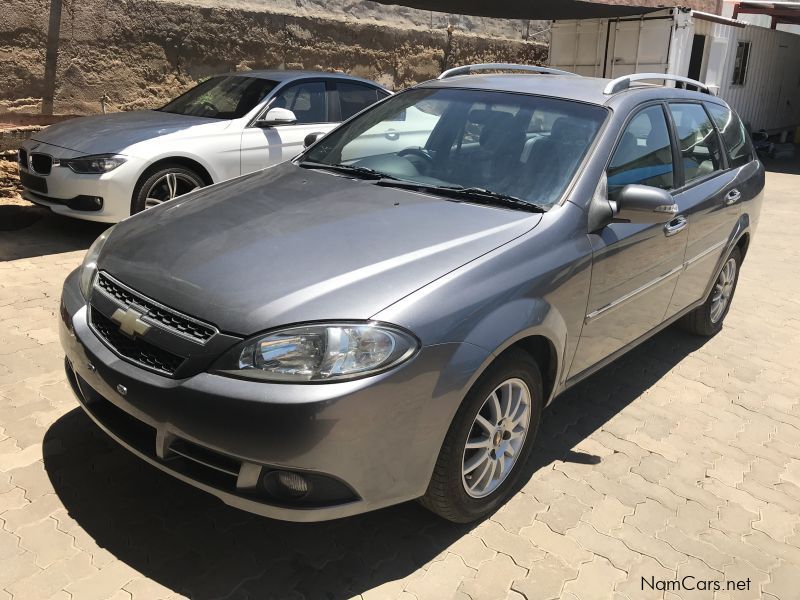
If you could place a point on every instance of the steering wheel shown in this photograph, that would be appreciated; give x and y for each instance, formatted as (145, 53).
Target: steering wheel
(209, 106)
(420, 152)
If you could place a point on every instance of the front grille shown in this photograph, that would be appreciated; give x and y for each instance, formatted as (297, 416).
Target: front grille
(41, 163)
(136, 349)
(22, 157)
(169, 319)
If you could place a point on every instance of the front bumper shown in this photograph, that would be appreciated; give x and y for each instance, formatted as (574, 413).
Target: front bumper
(378, 437)
(64, 185)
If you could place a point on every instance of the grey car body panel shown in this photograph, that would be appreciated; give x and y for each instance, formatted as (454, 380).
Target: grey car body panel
(289, 245)
(341, 428)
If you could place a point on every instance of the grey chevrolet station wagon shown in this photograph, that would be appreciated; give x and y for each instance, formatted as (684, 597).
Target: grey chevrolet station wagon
(385, 317)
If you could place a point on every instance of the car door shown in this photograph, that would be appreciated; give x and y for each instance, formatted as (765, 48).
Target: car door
(710, 197)
(634, 266)
(309, 100)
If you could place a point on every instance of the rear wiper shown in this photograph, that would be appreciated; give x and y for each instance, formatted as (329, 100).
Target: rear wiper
(475, 195)
(359, 172)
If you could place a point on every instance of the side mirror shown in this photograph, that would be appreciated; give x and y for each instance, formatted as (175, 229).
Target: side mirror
(644, 204)
(311, 138)
(277, 116)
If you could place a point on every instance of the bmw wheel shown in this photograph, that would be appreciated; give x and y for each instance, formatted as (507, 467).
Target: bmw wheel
(163, 184)
(489, 441)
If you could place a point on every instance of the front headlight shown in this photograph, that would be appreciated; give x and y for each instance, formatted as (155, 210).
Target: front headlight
(89, 265)
(319, 353)
(96, 164)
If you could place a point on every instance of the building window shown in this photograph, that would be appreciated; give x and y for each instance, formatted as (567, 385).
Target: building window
(740, 63)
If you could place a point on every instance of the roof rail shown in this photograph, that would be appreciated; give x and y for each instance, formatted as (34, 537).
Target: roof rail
(466, 69)
(623, 83)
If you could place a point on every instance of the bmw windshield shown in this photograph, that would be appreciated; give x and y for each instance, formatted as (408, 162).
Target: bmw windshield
(226, 97)
(509, 147)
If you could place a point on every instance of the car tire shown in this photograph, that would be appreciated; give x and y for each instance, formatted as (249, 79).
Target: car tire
(447, 493)
(706, 319)
(160, 183)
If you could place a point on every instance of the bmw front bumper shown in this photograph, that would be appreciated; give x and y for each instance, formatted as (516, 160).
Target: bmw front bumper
(360, 445)
(67, 193)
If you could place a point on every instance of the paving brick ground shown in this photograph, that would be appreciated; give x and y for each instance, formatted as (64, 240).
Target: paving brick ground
(682, 459)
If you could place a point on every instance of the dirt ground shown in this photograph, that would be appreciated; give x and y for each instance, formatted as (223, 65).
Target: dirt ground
(10, 189)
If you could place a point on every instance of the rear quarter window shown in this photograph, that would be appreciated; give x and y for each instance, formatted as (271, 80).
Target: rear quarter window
(733, 133)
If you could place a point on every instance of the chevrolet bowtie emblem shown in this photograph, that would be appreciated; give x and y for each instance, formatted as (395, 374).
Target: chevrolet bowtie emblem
(130, 322)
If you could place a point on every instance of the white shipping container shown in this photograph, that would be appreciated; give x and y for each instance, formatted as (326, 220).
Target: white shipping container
(765, 91)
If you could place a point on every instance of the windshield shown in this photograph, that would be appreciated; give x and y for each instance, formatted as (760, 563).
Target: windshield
(523, 146)
(227, 97)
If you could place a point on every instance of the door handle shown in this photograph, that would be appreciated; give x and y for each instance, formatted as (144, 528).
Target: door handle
(677, 225)
(732, 197)
(392, 135)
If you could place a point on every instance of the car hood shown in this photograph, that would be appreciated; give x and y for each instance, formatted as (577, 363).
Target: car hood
(288, 245)
(117, 131)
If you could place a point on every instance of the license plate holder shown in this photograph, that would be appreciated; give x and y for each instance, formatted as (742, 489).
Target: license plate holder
(32, 182)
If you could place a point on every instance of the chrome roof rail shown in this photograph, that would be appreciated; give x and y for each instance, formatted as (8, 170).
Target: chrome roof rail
(623, 83)
(466, 69)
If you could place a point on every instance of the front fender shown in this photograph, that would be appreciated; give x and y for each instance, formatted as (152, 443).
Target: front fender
(517, 320)
(536, 285)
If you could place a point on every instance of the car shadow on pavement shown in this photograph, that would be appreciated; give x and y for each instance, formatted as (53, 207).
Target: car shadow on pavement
(30, 231)
(195, 545)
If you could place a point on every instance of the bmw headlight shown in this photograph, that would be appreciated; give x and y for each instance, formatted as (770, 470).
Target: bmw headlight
(89, 265)
(319, 353)
(96, 164)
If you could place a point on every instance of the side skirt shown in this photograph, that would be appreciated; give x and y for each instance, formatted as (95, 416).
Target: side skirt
(625, 349)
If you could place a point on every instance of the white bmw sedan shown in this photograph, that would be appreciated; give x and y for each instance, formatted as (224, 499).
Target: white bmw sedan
(107, 167)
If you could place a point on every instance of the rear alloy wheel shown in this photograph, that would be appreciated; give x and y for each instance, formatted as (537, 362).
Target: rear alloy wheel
(707, 319)
(489, 441)
(163, 185)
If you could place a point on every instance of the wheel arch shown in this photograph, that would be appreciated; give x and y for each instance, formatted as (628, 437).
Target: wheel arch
(544, 338)
(543, 351)
(183, 161)
(743, 243)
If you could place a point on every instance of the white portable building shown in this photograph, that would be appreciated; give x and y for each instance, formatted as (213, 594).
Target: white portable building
(755, 69)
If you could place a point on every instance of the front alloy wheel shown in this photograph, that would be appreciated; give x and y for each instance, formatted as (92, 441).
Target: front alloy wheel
(488, 442)
(164, 183)
(170, 185)
(496, 438)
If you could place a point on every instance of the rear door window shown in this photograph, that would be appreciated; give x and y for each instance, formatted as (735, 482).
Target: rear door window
(644, 153)
(306, 100)
(354, 97)
(733, 133)
(699, 145)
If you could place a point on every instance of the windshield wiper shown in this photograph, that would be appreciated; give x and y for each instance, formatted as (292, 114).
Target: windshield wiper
(359, 172)
(475, 195)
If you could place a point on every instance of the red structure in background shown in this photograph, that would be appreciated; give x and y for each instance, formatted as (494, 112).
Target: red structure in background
(781, 12)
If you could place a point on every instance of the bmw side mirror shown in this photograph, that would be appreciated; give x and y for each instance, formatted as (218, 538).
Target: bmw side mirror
(643, 204)
(277, 116)
(311, 138)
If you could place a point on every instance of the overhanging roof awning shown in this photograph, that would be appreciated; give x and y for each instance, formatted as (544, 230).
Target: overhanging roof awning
(527, 9)
(781, 12)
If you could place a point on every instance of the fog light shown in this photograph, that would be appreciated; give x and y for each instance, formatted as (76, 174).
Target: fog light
(86, 203)
(295, 484)
(286, 484)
